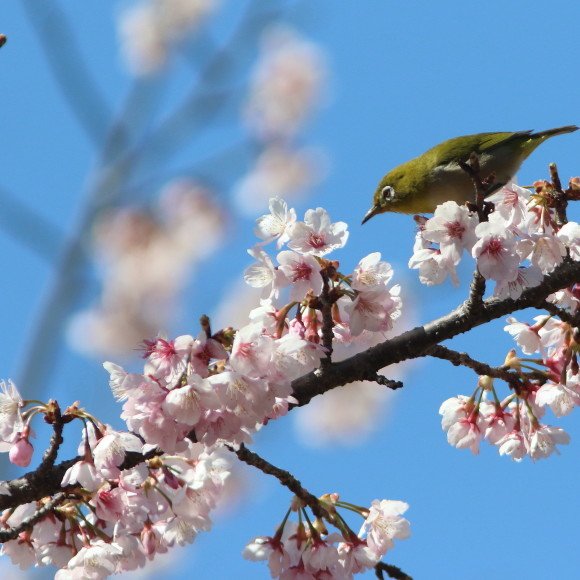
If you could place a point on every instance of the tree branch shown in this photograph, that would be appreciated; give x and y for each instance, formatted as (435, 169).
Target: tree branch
(415, 342)
(410, 344)
(284, 477)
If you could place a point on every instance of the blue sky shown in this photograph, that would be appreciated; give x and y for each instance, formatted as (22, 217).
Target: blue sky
(405, 76)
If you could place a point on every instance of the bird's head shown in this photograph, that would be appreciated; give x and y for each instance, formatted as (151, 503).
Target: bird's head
(392, 193)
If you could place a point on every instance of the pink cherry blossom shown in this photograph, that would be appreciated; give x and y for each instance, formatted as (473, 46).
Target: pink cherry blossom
(374, 310)
(371, 272)
(303, 272)
(111, 451)
(265, 275)
(548, 251)
(495, 250)
(251, 352)
(167, 359)
(494, 422)
(384, 524)
(569, 234)
(84, 473)
(21, 450)
(317, 235)
(275, 225)
(187, 403)
(452, 227)
(526, 277)
(433, 267)
(511, 203)
(513, 444)
(10, 416)
(561, 398)
(526, 336)
(543, 441)
(465, 434)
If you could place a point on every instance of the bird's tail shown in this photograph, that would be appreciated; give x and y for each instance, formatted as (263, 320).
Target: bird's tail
(551, 132)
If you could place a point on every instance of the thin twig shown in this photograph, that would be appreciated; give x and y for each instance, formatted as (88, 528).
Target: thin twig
(55, 441)
(563, 315)
(327, 320)
(28, 523)
(559, 197)
(463, 359)
(284, 477)
(391, 570)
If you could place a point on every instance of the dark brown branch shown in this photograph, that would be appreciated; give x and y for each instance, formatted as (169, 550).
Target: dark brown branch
(327, 321)
(563, 315)
(392, 571)
(481, 186)
(415, 342)
(410, 344)
(55, 441)
(28, 523)
(284, 477)
(559, 197)
(384, 381)
(463, 359)
(476, 292)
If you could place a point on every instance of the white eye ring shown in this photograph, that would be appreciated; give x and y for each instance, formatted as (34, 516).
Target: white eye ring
(388, 193)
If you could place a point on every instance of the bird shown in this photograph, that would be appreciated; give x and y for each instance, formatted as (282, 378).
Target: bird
(421, 184)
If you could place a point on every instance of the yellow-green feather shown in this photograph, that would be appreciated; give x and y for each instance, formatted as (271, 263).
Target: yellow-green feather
(412, 179)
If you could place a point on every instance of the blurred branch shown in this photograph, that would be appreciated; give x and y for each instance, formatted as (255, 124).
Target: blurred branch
(29, 228)
(73, 78)
(118, 160)
(203, 103)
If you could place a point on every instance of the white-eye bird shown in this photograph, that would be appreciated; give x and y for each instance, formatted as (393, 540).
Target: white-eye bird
(421, 184)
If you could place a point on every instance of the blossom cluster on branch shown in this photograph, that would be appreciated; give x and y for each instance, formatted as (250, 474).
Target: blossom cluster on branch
(136, 493)
(195, 397)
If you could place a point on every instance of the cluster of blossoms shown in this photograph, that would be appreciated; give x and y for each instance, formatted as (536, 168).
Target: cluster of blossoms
(359, 302)
(305, 550)
(187, 225)
(519, 244)
(195, 396)
(108, 519)
(150, 29)
(513, 425)
(285, 86)
(522, 228)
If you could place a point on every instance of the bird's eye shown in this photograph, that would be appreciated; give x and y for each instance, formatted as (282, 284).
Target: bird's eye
(387, 193)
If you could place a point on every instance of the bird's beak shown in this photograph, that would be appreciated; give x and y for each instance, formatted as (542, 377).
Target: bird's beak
(372, 212)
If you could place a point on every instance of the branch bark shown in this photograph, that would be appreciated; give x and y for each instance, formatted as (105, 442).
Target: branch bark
(411, 344)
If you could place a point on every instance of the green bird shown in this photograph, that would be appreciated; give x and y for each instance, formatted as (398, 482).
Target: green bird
(420, 185)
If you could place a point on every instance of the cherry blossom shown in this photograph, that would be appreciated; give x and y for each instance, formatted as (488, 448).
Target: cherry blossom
(317, 235)
(452, 227)
(303, 271)
(569, 234)
(543, 441)
(495, 250)
(275, 225)
(384, 524)
(371, 272)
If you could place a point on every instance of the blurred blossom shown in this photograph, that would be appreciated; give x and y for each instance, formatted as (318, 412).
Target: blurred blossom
(146, 258)
(148, 30)
(278, 171)
(345, 416)
(286, 84)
